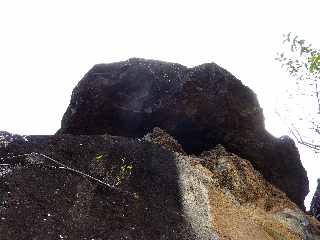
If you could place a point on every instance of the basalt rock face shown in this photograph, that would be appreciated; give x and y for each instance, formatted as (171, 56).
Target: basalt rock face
(92, 187)
(107, 187)
(200, 107)
(315, 203)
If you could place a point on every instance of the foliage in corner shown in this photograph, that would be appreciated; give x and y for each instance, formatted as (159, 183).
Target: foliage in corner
(300, 105)
(299, 58)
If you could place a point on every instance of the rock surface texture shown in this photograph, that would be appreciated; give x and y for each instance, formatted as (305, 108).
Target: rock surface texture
(200, 107)
(106, 187)
(153, 150)
(315, 203)
(92, 187)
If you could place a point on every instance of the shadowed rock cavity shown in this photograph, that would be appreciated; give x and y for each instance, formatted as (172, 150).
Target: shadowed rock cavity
(200, 107)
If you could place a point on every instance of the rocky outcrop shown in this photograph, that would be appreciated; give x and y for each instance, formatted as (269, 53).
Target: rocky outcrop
(91, 187)
(154, 150)
(200, 107)
(107, 187)
(315, 203)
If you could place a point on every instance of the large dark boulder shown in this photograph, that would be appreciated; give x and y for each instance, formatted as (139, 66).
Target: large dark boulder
(315, 203)
(91, 187)
(200, 107)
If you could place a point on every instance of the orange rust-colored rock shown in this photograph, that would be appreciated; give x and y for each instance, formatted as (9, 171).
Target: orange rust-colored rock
(158, 136)
(243, 205)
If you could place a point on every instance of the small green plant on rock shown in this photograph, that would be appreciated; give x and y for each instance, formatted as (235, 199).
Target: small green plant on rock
(99, 157)
(124, 172)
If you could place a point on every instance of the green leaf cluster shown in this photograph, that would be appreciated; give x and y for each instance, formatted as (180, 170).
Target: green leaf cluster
(300, 57)
(300, 110)
(126, 168)
(314, 61)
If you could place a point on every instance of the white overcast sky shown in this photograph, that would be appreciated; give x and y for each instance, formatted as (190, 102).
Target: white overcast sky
(47, 46)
